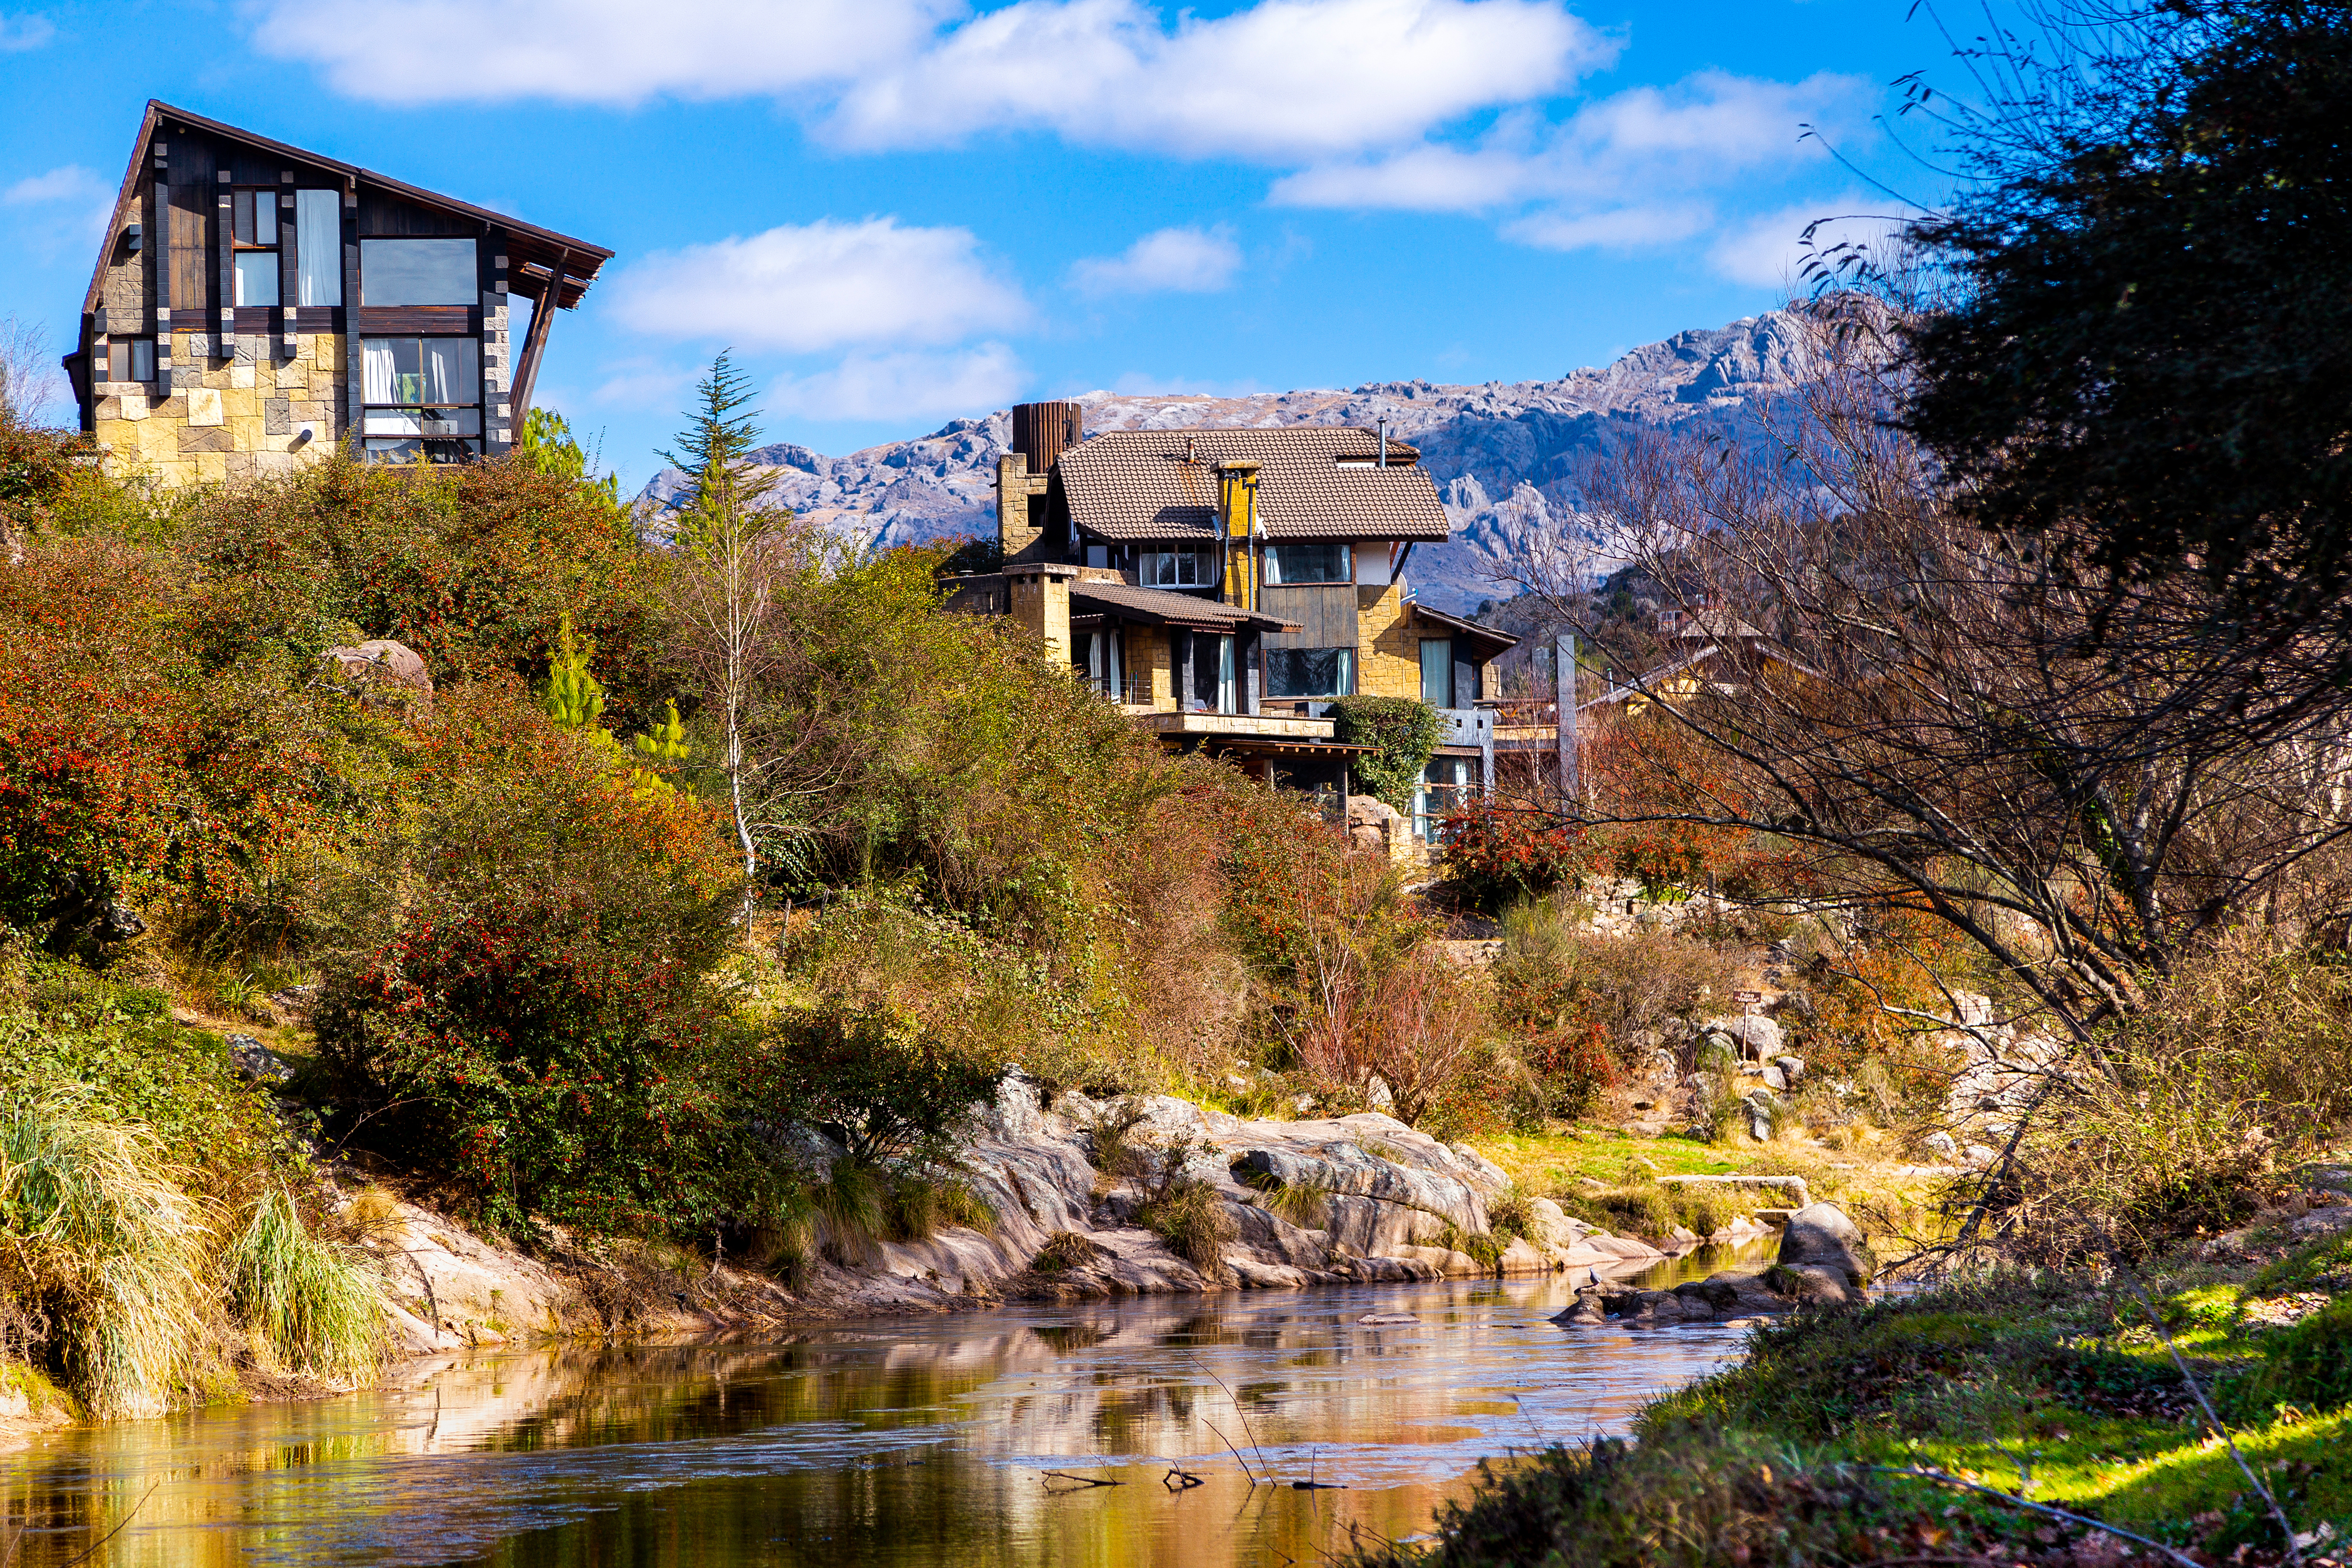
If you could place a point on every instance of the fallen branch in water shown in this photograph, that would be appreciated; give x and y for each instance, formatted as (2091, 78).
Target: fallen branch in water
(1051, 1476)
(1177, 1480)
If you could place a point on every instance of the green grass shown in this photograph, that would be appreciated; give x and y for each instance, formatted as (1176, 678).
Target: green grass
(312, 1306)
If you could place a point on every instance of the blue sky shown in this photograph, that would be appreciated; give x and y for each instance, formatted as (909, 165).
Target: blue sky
(899, 211)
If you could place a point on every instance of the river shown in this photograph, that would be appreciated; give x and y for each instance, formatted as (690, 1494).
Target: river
(899, 1442)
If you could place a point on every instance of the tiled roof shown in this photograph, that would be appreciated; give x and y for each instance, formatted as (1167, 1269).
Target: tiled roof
(1469, 628)
(1135, 484)
(1180, 609)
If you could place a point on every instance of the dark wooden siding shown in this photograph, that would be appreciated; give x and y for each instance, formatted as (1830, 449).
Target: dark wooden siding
(194, 281)
(383, 215)
(421, 318)
(1326, 616)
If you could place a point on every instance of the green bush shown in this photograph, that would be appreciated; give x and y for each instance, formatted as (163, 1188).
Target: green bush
(526, 1001)
(2309, 1366)
(883, 1088)
(1403, 735)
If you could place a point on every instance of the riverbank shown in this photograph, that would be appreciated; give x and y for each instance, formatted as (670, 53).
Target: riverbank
(1920, 1428)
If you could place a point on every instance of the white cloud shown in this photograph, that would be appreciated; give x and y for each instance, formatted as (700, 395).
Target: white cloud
(643, 384)
(592, 51)
(820, 286)
(903, 385)
(1279, 79)
(66, 208)
(29, 31)
(1771, 249)
(1619, 229)
(70, 183)
(1170, 260)
(1630, 150)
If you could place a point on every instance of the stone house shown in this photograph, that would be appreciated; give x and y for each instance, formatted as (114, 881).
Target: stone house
(254, 305)
(1224, 586)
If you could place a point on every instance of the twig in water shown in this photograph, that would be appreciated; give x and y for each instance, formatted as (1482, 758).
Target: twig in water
(1220, 1382)
(1177, 1480)
(1237, 1453)
(2014, 1500)
(2294, 1552)
(1075, 1480)
(91, 1549)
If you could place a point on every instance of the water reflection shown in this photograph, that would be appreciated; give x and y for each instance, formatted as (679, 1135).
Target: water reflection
(900, 1443)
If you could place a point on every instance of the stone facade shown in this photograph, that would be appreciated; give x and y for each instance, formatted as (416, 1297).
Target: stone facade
(237, 408)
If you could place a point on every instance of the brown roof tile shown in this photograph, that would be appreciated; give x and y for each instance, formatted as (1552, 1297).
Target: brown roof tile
(1135, 484)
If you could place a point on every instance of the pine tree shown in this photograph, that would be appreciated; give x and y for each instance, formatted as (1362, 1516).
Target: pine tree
(572, 697)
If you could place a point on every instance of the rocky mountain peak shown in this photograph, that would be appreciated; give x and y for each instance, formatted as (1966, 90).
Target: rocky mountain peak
(1523, 442)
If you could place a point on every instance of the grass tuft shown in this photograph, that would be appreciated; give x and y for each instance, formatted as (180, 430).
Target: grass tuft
(313, 1306)
(106, 1240)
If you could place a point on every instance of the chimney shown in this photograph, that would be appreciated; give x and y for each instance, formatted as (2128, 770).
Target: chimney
(1237, 521)
(1038, 595)
(1043, 431)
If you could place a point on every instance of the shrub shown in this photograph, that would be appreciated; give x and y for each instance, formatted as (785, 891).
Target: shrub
(313, 1307)
(1403, 734)
(1497, 857)
(2308, 1367)
(1187, 1214)
(526, 992)
(883, 1088)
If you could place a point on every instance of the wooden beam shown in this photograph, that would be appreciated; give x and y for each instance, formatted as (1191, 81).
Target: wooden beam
(534, 343)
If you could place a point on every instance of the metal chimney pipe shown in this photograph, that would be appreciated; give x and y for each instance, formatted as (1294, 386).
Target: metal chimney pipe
(1384, 443)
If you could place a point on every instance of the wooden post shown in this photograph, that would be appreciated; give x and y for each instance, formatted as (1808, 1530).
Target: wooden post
(1563, 659)
(534, 343)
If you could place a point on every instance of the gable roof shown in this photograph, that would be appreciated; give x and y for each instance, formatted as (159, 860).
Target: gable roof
(543, 259)
(1136, 484)
(1498, 641)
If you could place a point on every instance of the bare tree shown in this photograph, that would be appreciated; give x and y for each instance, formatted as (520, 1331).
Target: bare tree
(734, 547)
(28, 376)
(1924, 707)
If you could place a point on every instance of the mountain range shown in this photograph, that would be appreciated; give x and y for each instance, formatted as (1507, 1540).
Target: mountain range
(1504, 454)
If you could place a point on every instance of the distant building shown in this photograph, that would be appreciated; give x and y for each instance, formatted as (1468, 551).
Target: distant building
(1224, 586)
(254, 305)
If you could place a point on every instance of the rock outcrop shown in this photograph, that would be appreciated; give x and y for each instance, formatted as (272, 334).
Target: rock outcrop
(1824, 1262)
(1387, 1203)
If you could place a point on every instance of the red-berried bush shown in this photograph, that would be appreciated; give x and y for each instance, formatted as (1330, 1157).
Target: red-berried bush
(1496, 854)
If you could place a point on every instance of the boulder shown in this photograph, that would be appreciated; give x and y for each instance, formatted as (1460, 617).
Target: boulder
(1756, 1037)
(1940, 1145)
(1377, 828)
(382, 668)
(1792, 1069)
(1820, 1235)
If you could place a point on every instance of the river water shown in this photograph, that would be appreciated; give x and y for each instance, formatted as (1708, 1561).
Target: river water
(899, 1442)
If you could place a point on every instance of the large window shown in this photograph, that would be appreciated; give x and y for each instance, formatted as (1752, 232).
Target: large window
(1215, 689)
(1183, 568)
(1310, 671)
(1288, 564)
(423, 397)
(418, 272)
(1446, 786)
(1097, 653)
(319, 248)
(253, 261)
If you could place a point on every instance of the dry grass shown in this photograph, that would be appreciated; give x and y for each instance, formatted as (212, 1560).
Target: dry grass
(104, 1237)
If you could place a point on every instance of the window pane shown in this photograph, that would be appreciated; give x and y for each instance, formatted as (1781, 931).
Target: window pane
(318, 247)
(1437, 672)
(1306, 564)
(418, 273)
(118, 361)
(142, 359)
(394, 422)
(1310, 671)
(265, 217)
(453, 370)
(256, 276)
(241, 219)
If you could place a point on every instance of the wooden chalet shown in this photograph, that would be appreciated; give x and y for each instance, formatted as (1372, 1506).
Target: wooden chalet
(1224, 586)
(254, 305)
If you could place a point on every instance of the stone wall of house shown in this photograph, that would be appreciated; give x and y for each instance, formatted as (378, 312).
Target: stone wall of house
(1388, 658)
(231, 415)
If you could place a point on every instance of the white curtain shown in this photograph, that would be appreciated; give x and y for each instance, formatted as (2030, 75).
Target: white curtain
(377, 365)
(318, 247)
(453, 370)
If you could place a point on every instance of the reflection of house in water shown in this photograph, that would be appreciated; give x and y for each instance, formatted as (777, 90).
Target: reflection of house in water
(254, 305)
(1225, 586)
